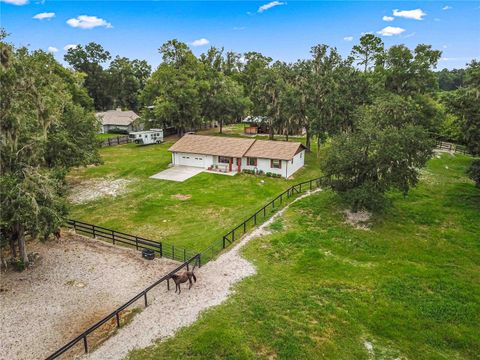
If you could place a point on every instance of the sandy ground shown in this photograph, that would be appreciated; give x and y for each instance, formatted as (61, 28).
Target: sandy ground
(359, 219)
(76, 282)
(90, 190)
(168, 311)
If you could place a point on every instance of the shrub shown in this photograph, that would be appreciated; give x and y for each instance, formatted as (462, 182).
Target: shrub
(474, 172)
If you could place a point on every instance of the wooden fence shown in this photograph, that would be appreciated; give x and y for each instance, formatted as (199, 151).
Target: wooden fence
(133, 241)
(172, 252)
(83, 337)
(451, 147)
(118, 140)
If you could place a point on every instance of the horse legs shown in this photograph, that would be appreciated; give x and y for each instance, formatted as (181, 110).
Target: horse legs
(190, 281)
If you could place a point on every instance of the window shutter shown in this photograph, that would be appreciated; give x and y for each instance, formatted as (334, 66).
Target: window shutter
(255, 162)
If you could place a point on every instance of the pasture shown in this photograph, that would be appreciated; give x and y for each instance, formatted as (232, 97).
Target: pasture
(191, 214)
(406, 288)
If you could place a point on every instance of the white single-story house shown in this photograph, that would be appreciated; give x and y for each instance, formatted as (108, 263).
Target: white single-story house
(112, 120)
(228, 154)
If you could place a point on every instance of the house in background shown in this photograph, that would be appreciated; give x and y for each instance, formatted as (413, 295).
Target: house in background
(118, 120)
(255, 125)
(232, 155)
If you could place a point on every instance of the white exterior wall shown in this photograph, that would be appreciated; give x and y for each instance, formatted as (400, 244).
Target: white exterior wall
(180, 159)
(264, 165)
(297, 163)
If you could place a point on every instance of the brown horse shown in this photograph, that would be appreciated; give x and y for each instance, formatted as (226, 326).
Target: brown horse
(184, 277)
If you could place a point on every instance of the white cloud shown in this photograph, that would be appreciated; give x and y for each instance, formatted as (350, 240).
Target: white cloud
(388, 18)
(69, 46)
(446, 7)
(45, 15)
(239, 28)
(445, 46)
(15, 2)
(390, 31)
(409, 35)
(52, 49)
(416, 14)
(348, 38)
(88, 22)
(270, 5)
(200, 42)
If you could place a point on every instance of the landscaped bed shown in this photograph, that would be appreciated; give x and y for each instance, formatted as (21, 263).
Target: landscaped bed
(211, 204)
(74, 283)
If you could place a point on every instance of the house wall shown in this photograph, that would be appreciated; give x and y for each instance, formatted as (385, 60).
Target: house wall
(264, 165)
(297, 162)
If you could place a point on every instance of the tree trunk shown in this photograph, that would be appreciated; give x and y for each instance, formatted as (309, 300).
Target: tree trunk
(221, 126)
(13, 248)
(20, 233)
(318, 145)
(307, 143)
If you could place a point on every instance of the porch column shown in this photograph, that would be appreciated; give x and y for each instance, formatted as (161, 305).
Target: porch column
(230, 164)
(239, 164)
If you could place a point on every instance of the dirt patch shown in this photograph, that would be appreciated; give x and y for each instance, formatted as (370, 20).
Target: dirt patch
(170, 312)
(76, 283)
(182, 196)
(91, 190)
(359, 219)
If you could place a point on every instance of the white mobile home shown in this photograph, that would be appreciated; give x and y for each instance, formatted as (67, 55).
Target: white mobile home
(153, 136)
(232, 155)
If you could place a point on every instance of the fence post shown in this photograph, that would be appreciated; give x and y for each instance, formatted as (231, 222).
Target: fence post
(233, 236)
(118, 319)
(310, 184)
(118, 140)
(93, 231)
(136, 242)
(173, 252)
(185, 257)
(145, 295)
(255, 219)
(223, 240)
(161, 250)
(199, 260)
(281, 198)
(75, 226)
(85, 345)
(264, 214)
(113, 237)
(244, 227)
(168, 284)
(108, 140)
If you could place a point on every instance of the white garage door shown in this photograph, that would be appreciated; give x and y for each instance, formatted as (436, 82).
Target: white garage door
(191, 160)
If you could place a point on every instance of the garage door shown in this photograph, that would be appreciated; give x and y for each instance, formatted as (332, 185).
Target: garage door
(191, 160)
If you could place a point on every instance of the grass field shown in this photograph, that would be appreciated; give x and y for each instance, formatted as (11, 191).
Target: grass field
(150, 208)
(408, 288)
(107, 136)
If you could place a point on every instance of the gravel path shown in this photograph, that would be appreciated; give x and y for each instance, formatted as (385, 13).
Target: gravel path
(168, 311)
(76, 282)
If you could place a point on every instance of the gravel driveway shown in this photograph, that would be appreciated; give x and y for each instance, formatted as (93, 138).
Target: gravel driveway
(76, 282)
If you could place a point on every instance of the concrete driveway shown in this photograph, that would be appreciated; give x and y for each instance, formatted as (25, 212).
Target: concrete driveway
(177, 173)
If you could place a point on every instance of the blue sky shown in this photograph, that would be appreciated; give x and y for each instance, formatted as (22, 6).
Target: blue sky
(284, 30)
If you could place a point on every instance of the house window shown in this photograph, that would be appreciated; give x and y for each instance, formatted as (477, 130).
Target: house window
(276, 164)
(251, 161)
(224, 160)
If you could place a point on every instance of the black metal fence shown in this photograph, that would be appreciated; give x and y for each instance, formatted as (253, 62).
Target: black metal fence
(172, 252)
(133, 241)
(118, 140)
(256, 219)
(83, 337)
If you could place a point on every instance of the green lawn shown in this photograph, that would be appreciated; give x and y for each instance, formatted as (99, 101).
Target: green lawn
(410, 286)
(107, 136)
(150, 208)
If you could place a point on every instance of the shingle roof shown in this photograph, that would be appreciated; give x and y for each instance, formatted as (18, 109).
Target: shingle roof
(280, 150)
(117, 117)
(212, 145)
(236, 147)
